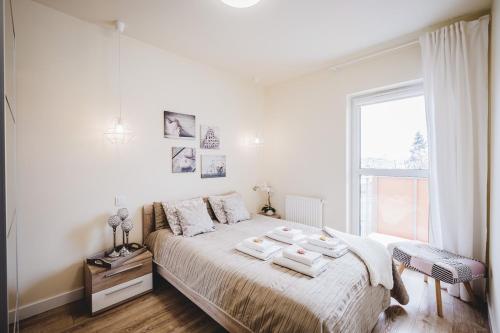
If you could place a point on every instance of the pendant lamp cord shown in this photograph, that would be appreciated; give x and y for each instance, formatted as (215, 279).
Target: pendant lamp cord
(120, 72)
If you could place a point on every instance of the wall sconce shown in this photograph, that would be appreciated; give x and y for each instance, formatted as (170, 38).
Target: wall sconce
(255, 141)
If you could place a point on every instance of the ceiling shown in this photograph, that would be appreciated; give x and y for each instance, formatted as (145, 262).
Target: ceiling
(276, 39)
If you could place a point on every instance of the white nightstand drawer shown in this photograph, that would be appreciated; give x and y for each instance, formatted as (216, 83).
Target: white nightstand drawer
(121, 292)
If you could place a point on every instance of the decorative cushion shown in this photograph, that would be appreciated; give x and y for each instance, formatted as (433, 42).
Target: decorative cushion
(170, 209)
(235, 209)
(209, 209)
(216, 203)
(194, 218)
(159, 215)
(439, 264)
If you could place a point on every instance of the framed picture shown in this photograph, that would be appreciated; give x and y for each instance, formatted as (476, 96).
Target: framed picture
(213, 166)
(209, 137)
(179, 125)
(183, 159)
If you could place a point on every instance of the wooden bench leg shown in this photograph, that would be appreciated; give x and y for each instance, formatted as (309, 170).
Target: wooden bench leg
(470, 292)
(401, 268)
(439, 303)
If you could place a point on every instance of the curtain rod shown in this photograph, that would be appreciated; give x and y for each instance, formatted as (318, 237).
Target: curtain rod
(372, 55)
(476, 16)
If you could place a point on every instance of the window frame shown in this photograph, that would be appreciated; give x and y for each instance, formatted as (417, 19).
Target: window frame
(392, 93)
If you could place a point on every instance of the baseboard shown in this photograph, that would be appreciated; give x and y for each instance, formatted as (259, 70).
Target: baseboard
(491, 318)
(46, 304)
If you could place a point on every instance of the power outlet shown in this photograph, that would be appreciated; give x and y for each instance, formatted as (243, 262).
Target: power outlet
(120, 200)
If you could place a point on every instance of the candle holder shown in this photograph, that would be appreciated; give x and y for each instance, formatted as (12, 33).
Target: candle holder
(114, 221)
(126, 225)
(123, 214)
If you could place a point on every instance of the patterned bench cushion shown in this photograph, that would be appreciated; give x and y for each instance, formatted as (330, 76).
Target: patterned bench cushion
(439, 264)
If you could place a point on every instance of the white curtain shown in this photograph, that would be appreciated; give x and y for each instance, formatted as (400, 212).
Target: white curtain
(455, 65)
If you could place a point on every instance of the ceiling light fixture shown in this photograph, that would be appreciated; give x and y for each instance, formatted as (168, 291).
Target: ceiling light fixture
(241, 3)
(119, 132)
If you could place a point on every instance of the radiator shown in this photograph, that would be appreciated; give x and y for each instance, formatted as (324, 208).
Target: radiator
(308, 211)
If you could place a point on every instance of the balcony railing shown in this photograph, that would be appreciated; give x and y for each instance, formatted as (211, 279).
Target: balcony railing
(396, 206)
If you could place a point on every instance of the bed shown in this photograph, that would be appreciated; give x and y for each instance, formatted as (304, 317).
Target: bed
(244, 294)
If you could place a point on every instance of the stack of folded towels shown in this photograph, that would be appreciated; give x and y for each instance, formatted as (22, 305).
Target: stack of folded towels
(332, 247)
(258, 247)
(286, 235)
(303, 261)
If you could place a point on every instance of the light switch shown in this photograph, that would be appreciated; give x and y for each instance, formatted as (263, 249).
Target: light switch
(120, 200)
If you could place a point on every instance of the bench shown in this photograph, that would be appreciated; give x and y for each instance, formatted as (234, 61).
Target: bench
(441, 265)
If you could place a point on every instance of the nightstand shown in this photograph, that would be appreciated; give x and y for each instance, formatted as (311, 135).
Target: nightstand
(275, 216)
(106, 288)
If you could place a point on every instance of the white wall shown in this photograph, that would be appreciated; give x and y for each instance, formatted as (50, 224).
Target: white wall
(494, 226)
(69, 174)
(306, 128)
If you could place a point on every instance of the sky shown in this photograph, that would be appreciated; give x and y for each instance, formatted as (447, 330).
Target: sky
(388, 129)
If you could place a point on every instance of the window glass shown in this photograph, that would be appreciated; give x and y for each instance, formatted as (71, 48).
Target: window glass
(394, 134)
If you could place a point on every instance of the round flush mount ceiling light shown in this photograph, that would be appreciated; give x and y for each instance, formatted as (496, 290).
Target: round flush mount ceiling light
(241, 3)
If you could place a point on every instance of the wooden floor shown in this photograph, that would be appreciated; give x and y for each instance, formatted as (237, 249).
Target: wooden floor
(167, 310)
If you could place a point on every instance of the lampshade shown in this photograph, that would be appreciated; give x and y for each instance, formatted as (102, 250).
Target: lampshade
(240, 3)
(119, 133)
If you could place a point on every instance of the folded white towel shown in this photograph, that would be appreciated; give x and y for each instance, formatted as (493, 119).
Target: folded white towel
(323, 241)
(312, 271)
(258, 243)
(337, 252)
(299, 254)
(287, 232)
(267, 254)
(284, 239)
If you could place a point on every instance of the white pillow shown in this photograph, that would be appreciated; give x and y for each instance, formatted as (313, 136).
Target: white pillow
(194, 218)
(235, 209)
(216, 204)
(170, 209)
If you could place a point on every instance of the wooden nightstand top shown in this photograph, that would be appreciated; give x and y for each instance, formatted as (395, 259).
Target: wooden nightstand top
(275, 216)
(96, 269)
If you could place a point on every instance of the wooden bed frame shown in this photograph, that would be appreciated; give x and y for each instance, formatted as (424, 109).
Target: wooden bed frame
(217, 314)
(148, 221)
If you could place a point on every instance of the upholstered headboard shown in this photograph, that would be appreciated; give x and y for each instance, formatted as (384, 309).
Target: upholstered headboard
(148, 218)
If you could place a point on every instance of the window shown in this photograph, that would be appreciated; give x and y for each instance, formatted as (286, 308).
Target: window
(389, 163)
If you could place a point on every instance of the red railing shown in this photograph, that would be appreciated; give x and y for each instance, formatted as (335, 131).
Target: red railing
(396, 206)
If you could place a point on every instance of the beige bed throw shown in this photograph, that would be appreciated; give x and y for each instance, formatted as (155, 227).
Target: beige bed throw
(265, 297)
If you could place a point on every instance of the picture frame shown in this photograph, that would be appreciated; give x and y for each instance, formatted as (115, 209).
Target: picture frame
(179, 125)
(209, 137)
(183, 160)
(213, 166)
